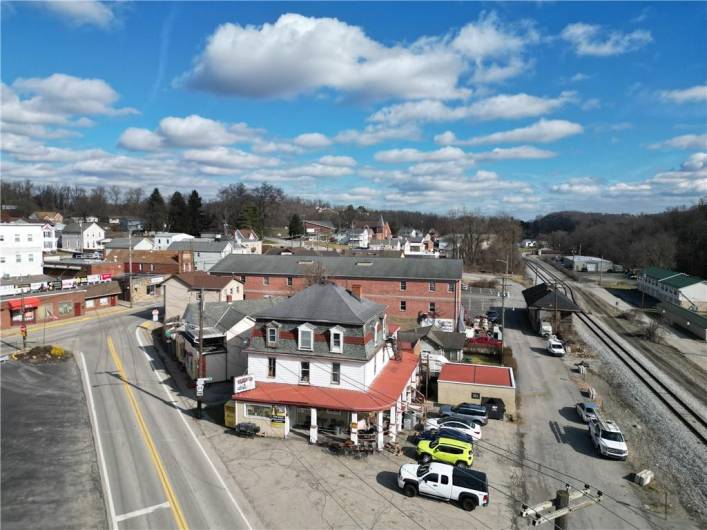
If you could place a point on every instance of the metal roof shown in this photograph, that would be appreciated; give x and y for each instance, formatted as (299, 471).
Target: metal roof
(341, 267)
(671, 278)
(199, 246)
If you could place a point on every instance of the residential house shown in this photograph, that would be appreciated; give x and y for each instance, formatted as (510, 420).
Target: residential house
(206, 253)
(50, 241)
(48, 217)
(394, 243)
(528, 243)
(21, 248)
(407, 232)
(131, 224)
(164, 239)
(181, 289)
(409, 287)
(357, 237)
(123, 243)
(247, 238)
(436, 342)
(299, 251)
(675, 287)
(227, 330)
(420, 246)
(79, 237)
(320, 362)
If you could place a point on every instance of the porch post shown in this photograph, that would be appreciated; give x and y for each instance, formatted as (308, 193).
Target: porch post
(393, 427)
(379, 434)
(313, 426)
(354, 428)
(399, 415)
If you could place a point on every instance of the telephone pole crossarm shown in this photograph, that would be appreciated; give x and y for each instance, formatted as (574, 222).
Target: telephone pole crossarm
(560, 507)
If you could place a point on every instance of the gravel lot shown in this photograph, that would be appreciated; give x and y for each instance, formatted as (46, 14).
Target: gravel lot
(294, 485)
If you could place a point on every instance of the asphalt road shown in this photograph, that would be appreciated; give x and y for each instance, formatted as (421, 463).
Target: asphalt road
(554, 436)
(158, 471)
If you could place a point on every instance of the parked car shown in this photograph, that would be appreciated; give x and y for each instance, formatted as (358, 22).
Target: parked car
(445, 432)
(483, 340)
(587, 411)
(476, 413)
(607, 438)
(492, 316)
(466, 486)
(447, 450)
(464, 425)
(555, 347)
(495, 407)
(545, 328)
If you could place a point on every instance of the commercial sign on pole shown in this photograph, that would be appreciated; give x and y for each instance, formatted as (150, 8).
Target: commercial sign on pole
(243, 383)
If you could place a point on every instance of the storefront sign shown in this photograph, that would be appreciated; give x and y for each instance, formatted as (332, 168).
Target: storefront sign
(279, 413)
(106, 276)
(157, 279)
(243, 383)
(94, 278)
(67, 284)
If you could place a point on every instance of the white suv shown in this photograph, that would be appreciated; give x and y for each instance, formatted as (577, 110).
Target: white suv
(608, 438)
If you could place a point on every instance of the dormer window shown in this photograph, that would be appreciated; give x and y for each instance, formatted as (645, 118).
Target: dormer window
(336, 340)
(271, 333)
(305, 338)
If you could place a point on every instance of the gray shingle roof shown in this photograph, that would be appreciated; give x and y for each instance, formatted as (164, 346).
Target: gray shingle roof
(199, 246)
(541, 296)
(219, 317)
(341, 267)
(323, 302)
(446, 340)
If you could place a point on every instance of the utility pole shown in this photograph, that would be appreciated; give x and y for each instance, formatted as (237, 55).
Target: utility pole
(601, 262)
(503, 303)
(561, 506)
(557, 320)
(130, 265)
(201, 350)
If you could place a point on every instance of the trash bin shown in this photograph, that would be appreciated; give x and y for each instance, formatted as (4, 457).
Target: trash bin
(495, 407)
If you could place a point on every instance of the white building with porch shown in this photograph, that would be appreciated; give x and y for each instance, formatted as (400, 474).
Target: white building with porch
(321, 364)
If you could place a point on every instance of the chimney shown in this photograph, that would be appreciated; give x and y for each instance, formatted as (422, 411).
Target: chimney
(356, 291)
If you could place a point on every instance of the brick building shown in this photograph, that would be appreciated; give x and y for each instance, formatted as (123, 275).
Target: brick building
(408, 287)
(78, 268)
(154, 261)
(38, 307)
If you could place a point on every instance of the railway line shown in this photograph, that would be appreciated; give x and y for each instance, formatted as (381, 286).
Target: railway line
(687, 414)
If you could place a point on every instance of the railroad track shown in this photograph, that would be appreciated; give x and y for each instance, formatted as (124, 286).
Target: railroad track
(691, 418)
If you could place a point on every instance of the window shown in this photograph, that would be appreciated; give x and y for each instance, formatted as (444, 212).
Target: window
(433, 286)
(272, 335)
(266, 280)
(29, 237)
(66, 308)
(47, 235)
(289, 281)
(445, 479)
(2, 259)
(260, 411)
(18, 258)
(272, 364)
(152, 267)
(451, 287)
(17, 238)
(336, 339)
(432, 477)
(335, 373)
(304, 372)
(242, 278)
(403, 286)
(30, 257)
(433, 307)
(403, 305)
(306, 338)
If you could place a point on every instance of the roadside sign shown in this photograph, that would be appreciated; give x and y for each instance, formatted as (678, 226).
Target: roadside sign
(243, 383)
(199, 390)
(205, 379)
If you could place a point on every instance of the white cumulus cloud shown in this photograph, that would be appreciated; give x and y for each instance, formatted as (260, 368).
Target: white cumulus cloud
(693, 94)
(332, 160)
(82, 13)
(686, 141)
(312, 140)
(594, 40)
(543, 131)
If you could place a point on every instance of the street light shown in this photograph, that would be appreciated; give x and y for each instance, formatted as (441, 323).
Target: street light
(503, 304)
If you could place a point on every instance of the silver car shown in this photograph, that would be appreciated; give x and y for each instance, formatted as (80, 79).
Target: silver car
(466, 411)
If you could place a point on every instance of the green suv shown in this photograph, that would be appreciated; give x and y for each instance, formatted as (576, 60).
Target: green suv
(446, 450)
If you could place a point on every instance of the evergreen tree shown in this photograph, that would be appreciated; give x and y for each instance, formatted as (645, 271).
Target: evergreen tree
(195, 214)
(296, 226)
(176, 217)
(155, 212)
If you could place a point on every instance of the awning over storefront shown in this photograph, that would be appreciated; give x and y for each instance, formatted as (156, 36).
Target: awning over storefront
(29, 303)
(383, 393)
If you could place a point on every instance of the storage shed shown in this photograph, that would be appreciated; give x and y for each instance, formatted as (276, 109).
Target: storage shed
(473, 383)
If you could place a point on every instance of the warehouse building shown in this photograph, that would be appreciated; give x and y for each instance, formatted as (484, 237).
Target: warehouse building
(674, 287)
(477, 383)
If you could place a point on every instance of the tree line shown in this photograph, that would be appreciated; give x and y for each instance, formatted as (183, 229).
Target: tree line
(674, 239)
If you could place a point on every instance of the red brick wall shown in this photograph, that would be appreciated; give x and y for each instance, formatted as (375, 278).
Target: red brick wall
(49, 300)
(417, 294)
(157, 268)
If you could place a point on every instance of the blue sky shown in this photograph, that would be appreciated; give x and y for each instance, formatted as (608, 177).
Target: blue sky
(522, 108)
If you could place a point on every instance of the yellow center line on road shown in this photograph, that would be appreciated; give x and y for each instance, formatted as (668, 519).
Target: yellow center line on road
(174, 504)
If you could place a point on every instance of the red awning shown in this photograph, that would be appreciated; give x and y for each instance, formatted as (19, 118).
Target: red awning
(29, 303)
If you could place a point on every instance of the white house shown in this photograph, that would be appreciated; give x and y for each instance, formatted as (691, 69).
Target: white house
(80, 237)
(675, 287)
(163, 240)
(123, 243)
(21, 247)
(50, 241)
(181, 289)
(420, 246)
(247, 238)
(207, 253)
(320, 361)
(358, 237)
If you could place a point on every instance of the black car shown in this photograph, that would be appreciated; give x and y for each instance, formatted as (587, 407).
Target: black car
(492, 316)
(454, 434)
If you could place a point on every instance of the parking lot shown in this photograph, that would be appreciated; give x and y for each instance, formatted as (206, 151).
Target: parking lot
(330, 491)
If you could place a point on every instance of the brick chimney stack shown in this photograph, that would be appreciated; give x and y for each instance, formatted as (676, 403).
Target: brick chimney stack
(356, 291)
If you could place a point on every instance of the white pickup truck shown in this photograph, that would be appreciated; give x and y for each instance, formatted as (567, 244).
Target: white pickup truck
(449, 483)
